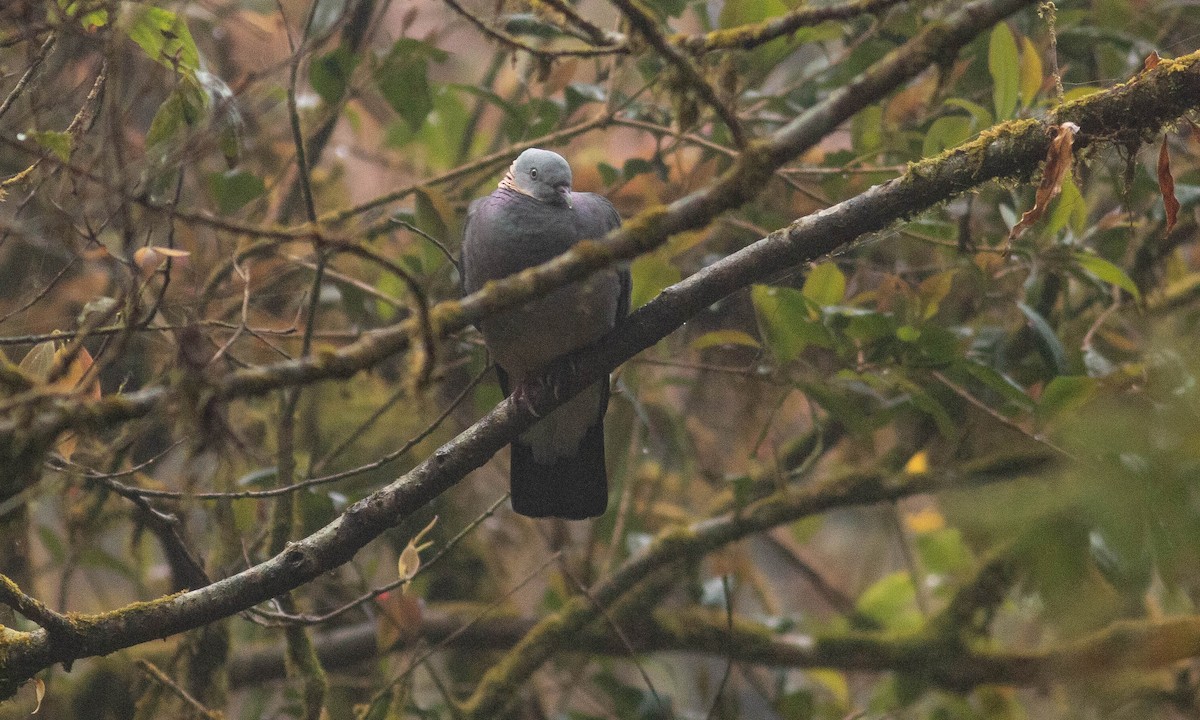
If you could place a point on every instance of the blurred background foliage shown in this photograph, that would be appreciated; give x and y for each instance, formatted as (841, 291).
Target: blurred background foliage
(152, 204)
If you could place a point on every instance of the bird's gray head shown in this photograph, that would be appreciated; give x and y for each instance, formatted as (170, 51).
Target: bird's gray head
(542, 175)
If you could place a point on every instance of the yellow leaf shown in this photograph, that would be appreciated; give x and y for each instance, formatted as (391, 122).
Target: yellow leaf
(1031, 71)
(38, 361)
(925, 520)
(718, 338)
(918, 464)
(410, 558)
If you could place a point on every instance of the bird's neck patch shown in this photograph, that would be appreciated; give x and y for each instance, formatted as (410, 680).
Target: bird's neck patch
(510, 183)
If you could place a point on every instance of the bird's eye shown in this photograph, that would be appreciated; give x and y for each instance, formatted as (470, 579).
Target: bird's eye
(533, 173)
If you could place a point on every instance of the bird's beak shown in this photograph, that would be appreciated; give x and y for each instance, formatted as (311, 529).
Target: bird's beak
(565, 191)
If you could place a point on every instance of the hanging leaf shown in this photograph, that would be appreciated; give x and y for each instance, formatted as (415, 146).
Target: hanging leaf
(1166, 185)
(788, 321)
(165, 38)
(39, 694)
(410, 558)
(1005, 70)
(1070, 210)
(946, 132)
(825, 284)
(650, 274)
(329, 74)
(1058, 161)
(233, 189)
(402, 77)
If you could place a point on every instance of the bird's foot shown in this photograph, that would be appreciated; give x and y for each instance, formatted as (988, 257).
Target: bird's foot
(520, 396)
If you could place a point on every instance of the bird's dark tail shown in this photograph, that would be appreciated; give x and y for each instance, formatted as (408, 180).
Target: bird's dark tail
(573, 488)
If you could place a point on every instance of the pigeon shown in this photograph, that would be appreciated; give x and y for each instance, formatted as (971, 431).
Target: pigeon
(557, 466)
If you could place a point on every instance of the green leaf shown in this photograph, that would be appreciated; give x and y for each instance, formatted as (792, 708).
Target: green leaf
(402, 77)
(91, 20)
(1108, 272)
(182, 109)
(797, 705)
(329, 74)
(999, 383)
(742, 12)
(435, 214)
(55, 141)
(787, 321)
(165, 38)
(1049, 345)
(943, 551)
(722, 338)
(1064, 394)
(892, 601)
(1005, 70)
(980, 116)
(1069, 209)
(933, 290)
(946, 132)
(866, 128)
(825, 284)
(650, 274)
(233, 189)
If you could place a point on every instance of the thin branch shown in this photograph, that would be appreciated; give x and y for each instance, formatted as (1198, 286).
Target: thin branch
(324, 480)
(641, 19)
(56, 624)
(515, 43)
(746, 37)
(376, 592)
(151, 671)
(34, 64)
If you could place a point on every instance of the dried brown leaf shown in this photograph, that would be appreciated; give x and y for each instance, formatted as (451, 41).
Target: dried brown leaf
(1058, 161)
(399, 619)
(39, 693)
(1152, 61)
(1166, 185)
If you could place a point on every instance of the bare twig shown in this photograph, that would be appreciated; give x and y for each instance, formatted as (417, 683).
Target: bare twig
(641, 19)
(34, 64)
(151, 671)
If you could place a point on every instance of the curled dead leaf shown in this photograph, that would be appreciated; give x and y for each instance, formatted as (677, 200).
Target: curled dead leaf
(150, 258)
(1058, 161)
(410, 558)
(39, 694)
(1166, 186)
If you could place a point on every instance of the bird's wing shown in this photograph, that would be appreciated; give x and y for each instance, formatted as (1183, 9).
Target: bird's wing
(596, 218)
